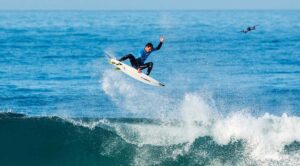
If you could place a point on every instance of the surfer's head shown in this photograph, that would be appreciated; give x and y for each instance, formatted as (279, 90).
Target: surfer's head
(148, 47)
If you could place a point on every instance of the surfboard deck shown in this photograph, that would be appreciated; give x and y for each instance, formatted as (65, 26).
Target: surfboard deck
(132, 72)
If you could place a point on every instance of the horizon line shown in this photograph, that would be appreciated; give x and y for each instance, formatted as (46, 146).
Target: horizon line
(245, 9)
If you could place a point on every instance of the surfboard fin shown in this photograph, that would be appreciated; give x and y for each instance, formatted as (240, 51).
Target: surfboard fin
(161, 84)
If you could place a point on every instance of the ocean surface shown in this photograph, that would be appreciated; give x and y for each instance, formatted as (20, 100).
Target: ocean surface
(230, 98)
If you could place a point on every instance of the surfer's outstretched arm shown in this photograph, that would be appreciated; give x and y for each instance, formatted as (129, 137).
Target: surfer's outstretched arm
(161, 40)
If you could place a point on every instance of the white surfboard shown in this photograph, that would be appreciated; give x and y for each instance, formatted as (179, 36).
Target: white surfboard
(132, 72)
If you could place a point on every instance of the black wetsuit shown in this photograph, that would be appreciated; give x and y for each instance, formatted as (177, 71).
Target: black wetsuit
(139, 62)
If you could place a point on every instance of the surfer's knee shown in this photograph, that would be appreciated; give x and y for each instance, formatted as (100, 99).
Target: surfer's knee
(129, 56)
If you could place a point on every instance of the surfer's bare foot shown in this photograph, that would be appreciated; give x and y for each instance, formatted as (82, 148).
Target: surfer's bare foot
(139, 70)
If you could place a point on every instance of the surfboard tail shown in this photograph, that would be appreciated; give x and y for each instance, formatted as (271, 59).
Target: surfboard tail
(109, 55)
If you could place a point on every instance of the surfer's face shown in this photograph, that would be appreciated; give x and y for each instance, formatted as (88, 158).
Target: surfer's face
(148, 49)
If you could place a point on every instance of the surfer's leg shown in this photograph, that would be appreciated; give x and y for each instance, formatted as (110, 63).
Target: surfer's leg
(131, 58)
(148, 65)
(125, 57)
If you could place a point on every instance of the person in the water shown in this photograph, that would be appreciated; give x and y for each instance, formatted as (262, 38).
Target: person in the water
(249, 29)
(139, 63)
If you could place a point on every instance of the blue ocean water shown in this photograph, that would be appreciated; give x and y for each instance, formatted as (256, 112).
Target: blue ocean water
(230, 98)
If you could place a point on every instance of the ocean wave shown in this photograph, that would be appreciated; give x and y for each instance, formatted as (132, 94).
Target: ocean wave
(266, 137)
(140, 141)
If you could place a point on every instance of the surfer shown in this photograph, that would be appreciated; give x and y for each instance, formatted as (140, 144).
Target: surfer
(139, 63)
(249, 29)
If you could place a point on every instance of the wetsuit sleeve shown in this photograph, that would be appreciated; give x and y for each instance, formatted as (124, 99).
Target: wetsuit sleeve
(158, 46)
(139, 54)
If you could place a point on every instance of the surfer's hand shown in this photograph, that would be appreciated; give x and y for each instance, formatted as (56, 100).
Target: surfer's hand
(161, 39)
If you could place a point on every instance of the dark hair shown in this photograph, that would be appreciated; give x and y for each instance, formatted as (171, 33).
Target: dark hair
(149, 45)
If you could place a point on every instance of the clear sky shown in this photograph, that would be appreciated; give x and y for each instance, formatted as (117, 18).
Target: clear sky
(146, 4)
